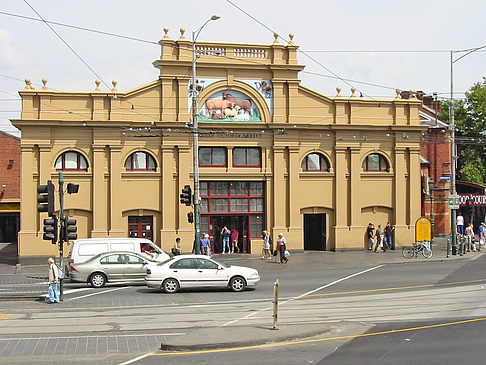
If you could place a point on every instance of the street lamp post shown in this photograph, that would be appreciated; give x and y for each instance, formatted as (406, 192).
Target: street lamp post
(195, 130)
(453, 136)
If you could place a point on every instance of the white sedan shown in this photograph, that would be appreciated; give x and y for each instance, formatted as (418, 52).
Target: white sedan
(186, 271)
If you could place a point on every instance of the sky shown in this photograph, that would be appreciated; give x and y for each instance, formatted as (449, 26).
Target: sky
(376, 46)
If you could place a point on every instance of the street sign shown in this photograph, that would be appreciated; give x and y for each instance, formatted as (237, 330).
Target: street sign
(444, 178)
(423, 229)
(453, 201)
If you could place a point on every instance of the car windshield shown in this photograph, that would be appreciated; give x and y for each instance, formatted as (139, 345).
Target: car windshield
(166, 261)
(222, 264)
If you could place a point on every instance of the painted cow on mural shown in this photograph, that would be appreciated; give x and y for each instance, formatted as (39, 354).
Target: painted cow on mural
(244, 104)
(217, 104)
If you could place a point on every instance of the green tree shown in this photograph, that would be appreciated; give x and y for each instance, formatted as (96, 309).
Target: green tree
(470, 121)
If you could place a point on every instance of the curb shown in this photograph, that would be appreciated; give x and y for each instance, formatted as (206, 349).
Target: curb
(245, 343)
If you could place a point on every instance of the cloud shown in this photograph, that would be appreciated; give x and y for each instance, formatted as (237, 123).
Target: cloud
(8, 54)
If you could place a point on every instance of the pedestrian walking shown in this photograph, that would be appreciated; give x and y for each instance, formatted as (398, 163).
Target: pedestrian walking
(206, 245)
(234, 240)
(370, 235)
(53, 281)
(482, 240)
(226, 234)
(282, 247)
(388, 242)
(379, 242)
(470, 238)
(266, 246)
(460, 223)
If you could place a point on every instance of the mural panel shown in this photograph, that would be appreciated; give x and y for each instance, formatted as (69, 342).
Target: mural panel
(229, 106)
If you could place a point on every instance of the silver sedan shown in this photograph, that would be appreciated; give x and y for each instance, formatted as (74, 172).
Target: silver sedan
(110, 267)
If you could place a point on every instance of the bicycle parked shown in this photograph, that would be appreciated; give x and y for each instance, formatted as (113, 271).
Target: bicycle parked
(413, 251)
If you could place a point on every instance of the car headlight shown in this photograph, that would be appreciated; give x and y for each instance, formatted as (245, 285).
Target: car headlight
(254, 275)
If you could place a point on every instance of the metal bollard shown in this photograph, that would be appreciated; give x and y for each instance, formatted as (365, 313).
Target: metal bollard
(448, 247)
(275, 305)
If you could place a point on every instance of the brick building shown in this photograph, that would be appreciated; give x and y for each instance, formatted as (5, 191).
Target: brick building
(9, 187)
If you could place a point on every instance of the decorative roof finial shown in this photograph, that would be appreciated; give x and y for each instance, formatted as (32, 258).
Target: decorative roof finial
(166, 31)
(182, 30)
(114, 82)
(276, 38)
(291, 36)
(399, 96)
(353, 90)
(97, 82)
(44, 82)
(338, 89)
(27, 84)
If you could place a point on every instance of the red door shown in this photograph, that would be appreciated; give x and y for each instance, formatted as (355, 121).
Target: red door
(141, 227)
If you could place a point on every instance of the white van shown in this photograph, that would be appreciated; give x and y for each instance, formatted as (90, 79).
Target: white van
(84, 249)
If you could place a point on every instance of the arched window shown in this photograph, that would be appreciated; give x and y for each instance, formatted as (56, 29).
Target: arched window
(375, 162)
(140, 161)
(315, 162)
(71, 160)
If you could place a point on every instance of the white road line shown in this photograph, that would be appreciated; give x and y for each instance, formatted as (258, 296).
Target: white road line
(136, 359)
(302, 295)
(100, 292)
(89, 336)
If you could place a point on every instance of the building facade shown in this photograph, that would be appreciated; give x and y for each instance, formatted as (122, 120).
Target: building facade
(273, 154)
(10, 166)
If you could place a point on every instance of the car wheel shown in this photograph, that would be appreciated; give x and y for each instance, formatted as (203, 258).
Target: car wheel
(170, 286)
(237, 284)
(97, 280)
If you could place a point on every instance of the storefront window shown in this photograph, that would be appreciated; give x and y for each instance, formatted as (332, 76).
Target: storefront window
(256, 188)
(256, 225)
(239, 205)
(256, 205)
(239, 188)
(219, 205)
(218, 188)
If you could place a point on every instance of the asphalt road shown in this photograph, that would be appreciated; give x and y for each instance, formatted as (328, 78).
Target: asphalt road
(342, 299)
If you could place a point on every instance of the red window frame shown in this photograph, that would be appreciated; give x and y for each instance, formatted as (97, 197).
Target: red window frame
(148, 158)
(322, 162)
(228, 195)
(246, 149)
(78, 162)
(212, 164)
(382, 163)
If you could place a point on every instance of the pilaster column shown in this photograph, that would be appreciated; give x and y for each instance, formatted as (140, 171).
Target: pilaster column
(414, 185)
(400, 191)
(341, 188)
(354, 206)
(117, 228)
(28, 203)
(279, 188)
(293, 182)
(99, 196)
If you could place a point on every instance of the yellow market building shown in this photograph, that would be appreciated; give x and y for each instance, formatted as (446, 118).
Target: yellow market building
(273, 154)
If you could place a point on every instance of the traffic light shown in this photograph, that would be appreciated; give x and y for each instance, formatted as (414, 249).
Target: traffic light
(45, 198)
(470, 206)
(69, 229)
(190, 217)
(186, 196)
(50, 229)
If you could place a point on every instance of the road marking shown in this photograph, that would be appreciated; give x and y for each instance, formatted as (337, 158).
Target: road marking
(299, 342)
(89, 336)
(301, 296)
(398, 288)
(4, 316)
(97, 293)
(136, 359)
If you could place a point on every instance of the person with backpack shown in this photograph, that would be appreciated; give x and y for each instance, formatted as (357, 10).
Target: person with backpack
(53, 280)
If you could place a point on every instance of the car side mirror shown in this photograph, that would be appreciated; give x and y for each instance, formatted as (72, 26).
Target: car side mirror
(145, 262)
(220, 267)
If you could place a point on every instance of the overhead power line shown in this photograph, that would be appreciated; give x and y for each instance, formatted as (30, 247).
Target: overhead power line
(79, 28)
(67, 45)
